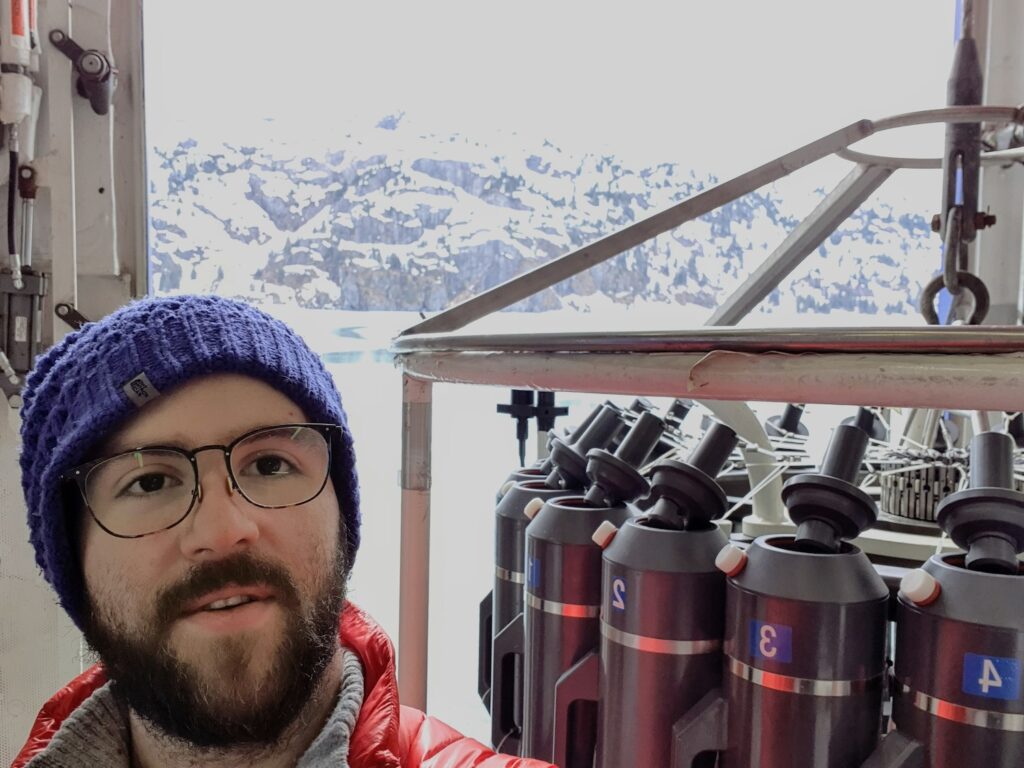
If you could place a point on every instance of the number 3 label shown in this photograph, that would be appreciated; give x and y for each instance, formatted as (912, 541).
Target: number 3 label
(772, 642)
(619, 594)
(993, 677)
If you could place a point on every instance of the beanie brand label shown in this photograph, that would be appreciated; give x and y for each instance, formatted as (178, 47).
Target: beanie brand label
(140, 390)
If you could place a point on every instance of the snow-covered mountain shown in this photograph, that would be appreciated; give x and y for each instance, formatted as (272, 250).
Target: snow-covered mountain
(395, 219)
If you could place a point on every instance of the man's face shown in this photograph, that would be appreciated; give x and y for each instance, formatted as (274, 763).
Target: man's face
(217, 677)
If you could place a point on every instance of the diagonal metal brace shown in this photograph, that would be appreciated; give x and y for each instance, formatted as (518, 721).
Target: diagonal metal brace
(573, 263)
(837, 206)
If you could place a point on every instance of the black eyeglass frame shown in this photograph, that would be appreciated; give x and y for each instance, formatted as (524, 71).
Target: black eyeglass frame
(79, 475)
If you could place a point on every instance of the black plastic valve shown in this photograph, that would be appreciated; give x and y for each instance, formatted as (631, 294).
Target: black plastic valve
(987, 519)
(521, 410)
(826, 506)
(787, 423)
(869, 421)
(548, 464)
(677, 411)
(615, 477)
(547, 411)
(688, 497)
(1016, 429)
(570, 459)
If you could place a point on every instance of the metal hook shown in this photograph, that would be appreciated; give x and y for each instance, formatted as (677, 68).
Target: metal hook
(951, 255)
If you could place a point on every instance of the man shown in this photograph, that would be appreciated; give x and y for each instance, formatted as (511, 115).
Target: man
(193, 501)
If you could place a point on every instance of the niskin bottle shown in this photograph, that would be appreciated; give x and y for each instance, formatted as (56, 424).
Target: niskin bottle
(519, 504)
(957, 695)
(508, 545)
(663, 609)
(805, 633)
(563, 589)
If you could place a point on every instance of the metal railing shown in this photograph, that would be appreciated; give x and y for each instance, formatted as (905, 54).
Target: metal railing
(976, 368)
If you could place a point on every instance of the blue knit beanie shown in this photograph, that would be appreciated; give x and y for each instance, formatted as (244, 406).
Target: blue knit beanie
(86, 386)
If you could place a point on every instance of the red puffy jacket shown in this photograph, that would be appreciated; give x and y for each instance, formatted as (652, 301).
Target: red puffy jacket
(387, 735)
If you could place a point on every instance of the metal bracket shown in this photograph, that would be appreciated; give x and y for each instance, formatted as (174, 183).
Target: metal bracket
(97, 77)
(70, 315)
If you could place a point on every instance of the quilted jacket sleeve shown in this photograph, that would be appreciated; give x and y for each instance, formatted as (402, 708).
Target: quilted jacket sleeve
(56, 710)
(428, 743)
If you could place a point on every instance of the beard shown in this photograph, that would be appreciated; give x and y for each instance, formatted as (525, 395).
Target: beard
(224, 700)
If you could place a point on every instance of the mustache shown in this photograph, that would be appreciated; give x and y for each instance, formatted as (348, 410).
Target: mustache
(243, 570)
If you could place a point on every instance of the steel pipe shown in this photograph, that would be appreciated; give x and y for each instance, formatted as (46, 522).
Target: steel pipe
(835, 208)
(998, 157)
(577, 261)
(962, 114)
(414, 568)
(944, 381)
(960, 339)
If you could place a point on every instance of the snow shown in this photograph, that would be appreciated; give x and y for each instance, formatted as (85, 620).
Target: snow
(221, 236)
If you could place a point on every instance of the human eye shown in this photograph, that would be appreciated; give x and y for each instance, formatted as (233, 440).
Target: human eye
(276, 453)
(268, 464)
(149, 484)
(146, 474)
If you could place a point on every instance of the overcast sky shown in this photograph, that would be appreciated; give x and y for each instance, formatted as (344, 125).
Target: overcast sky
(745, 78)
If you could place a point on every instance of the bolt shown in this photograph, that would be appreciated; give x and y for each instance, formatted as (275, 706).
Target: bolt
(937, 222)
(982, 220)
(91, 63)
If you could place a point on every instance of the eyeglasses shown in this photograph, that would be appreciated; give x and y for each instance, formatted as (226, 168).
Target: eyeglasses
(155, 487)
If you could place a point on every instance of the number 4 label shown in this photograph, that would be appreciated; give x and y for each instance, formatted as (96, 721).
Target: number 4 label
(993, 677)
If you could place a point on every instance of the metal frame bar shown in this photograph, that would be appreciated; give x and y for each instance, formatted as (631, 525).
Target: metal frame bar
(988, 159)
(131, 212)
(942, 381)
(927, 340)
(564, 267)
(837, 206)
(104, 280)
(577, 261)
(55, 164)
(998, 251)
(885, 367)
(414, 572)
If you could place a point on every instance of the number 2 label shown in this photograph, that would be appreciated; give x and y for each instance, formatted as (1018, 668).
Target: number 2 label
(772, 642)
(619, 594)
(993, 677)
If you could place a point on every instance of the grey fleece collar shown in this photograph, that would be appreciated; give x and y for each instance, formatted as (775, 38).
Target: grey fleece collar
(96, 733)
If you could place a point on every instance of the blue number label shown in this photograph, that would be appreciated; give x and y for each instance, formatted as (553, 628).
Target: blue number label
(619, 594)
(772, 642)
(533, 574)
(993, 677)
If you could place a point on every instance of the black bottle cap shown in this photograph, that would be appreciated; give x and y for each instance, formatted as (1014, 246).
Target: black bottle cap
(570, 460)
(688, 496)
(616, 478)
(826, 506)
(987, 519)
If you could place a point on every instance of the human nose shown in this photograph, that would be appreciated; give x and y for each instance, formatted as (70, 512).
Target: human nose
(220, 524)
